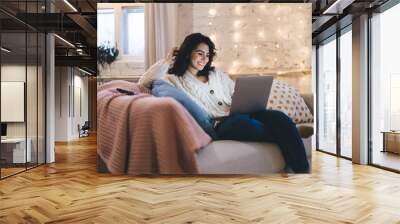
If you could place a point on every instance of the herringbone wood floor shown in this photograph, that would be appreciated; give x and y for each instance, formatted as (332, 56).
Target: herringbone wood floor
(70, 191)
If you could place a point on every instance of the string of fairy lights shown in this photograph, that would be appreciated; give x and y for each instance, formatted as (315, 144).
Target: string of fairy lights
(240, 38)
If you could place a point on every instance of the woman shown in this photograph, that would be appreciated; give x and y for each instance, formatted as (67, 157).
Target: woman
(193, 73)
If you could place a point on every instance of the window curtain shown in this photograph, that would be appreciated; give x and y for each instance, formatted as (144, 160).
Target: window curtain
(160, 31)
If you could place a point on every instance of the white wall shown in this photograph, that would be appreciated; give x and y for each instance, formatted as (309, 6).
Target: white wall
(80, 103)
(14, 73)
(34, 125)
(61, 103)
(17, 73)
(70, 83)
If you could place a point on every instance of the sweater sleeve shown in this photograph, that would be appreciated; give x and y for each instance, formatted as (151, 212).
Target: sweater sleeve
(229, 84)
(156, 71)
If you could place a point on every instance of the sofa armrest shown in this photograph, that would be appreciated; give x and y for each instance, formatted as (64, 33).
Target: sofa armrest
(309, 100)
(305, 129)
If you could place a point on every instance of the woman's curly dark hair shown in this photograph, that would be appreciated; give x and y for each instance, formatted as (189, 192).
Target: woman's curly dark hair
(183, 57)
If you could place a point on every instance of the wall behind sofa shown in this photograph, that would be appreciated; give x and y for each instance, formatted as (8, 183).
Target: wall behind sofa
(255, 38)
(251, 38)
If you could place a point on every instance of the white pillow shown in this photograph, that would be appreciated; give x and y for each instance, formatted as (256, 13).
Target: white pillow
(287, 99)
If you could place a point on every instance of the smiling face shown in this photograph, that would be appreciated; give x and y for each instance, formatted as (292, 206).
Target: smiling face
(199, 58)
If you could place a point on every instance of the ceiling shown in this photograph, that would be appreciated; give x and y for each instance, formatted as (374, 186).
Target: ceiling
(331, 15)
(77, 25)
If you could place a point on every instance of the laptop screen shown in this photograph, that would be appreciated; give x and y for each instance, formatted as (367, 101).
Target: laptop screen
(3, 129)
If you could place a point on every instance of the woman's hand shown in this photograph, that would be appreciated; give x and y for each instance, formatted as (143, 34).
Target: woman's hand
(227, 109)
(170, 59)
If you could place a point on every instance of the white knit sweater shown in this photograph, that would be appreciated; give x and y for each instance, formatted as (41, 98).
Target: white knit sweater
(215, 96)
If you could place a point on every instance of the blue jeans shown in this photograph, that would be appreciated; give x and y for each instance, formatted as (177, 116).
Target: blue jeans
(268, 126)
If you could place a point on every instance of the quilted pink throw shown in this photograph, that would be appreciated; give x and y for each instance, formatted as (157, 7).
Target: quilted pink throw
(142, 134)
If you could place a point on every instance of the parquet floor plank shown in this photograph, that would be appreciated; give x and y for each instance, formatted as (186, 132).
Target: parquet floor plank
(71, 191)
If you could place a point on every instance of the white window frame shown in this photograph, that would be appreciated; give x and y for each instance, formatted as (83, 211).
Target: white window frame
(110, 8)
(118, 28)
(128, 57)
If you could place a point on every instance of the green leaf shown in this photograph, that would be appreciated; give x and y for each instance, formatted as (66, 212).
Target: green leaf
(106, 54)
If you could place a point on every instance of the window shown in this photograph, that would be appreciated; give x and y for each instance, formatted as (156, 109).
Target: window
(122, 26)
(394, 101)
(335, 108)
(346, 94)
(133, 37)
(327, 96)
(105, 27)
(385, 85)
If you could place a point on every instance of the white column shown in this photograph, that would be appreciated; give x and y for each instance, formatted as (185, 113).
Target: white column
(62, 103)
(50, 94)
(314, 92)
(360, 90)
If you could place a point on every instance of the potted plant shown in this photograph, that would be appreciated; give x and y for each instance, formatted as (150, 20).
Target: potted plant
(106, 54)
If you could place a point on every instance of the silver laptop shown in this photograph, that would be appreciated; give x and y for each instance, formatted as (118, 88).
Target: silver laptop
(251, 94)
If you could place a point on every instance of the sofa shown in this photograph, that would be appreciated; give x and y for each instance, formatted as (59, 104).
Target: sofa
(234, 157)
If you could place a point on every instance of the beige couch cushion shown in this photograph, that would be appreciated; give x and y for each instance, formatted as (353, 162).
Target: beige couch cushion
(235, 157)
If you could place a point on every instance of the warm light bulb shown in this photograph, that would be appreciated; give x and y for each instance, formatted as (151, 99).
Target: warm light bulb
(275, 59)
(235, 46)
(235, 63)
(209, 23)
(236, 23)
(212, 12)
(261, 34)
(255, 61)
(277, 45)
(213, 37)
(259, 20)
(237, 9)
(279, 18)
(236, 36)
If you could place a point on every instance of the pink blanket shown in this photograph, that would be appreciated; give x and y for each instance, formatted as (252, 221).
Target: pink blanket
(142, 134)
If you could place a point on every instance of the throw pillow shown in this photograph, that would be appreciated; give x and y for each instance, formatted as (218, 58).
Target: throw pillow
(287, 99)
(161, 88)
